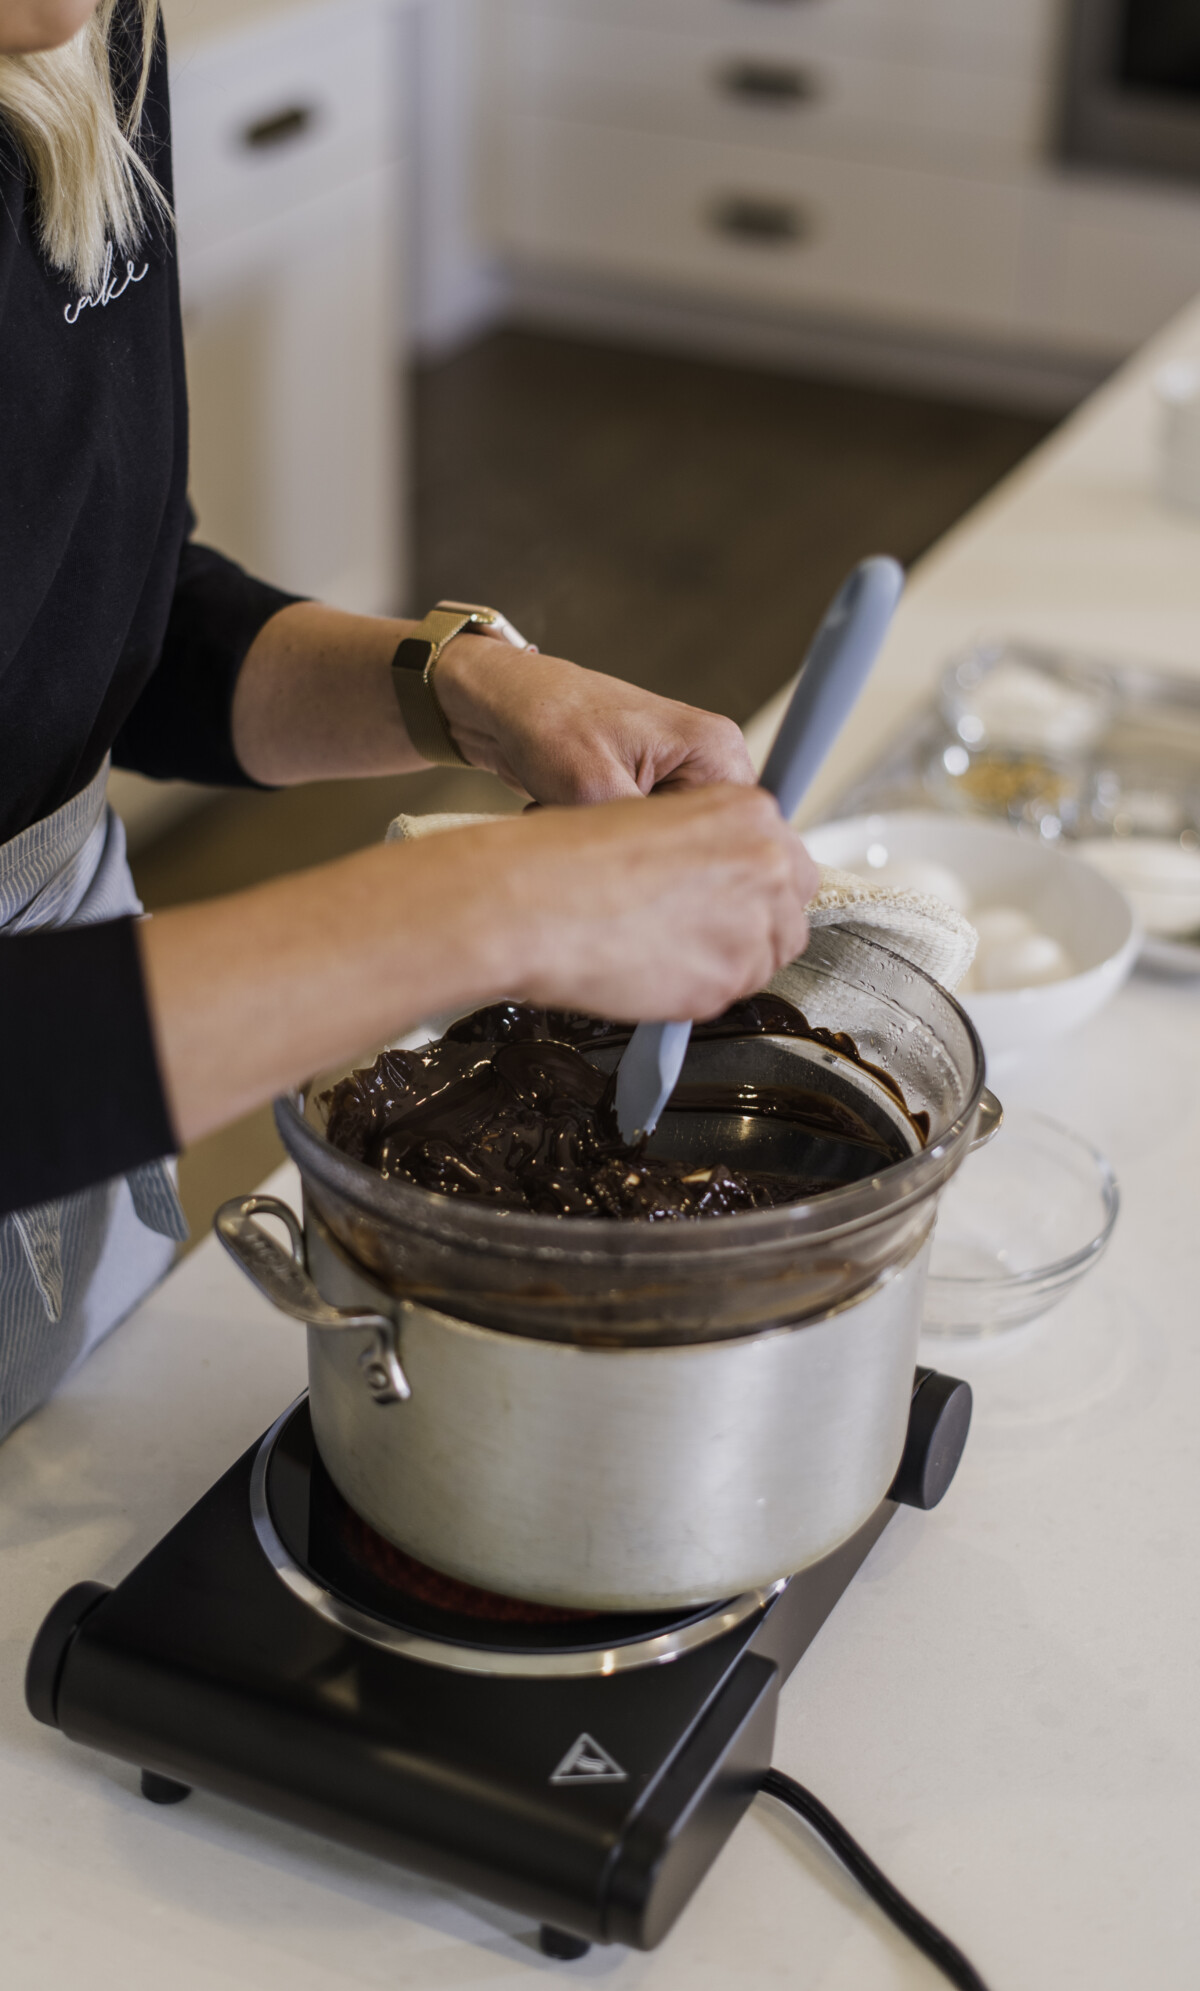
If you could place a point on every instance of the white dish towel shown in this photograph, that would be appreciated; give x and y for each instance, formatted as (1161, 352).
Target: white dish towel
(924, 930)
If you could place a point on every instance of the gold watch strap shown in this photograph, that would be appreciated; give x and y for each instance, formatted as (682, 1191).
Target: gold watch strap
(416, 660)
(412, 678)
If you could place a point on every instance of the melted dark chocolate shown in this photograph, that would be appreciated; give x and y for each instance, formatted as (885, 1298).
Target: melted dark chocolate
(505, 1107)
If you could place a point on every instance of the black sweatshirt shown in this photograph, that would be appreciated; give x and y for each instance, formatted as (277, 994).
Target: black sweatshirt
(116, 632)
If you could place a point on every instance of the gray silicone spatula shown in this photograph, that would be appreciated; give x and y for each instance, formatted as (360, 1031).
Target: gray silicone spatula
(831, 677)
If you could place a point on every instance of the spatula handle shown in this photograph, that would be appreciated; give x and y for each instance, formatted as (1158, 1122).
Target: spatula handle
(831, 678)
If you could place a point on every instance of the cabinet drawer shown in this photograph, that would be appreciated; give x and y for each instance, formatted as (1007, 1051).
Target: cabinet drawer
(901, 245)
(802, 96)
(273, 116)
(939, 31)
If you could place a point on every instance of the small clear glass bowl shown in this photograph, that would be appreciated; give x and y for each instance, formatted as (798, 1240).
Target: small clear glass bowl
(1019, 1225)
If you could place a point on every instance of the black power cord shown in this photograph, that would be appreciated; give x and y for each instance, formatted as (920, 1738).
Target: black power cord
(923, 1934)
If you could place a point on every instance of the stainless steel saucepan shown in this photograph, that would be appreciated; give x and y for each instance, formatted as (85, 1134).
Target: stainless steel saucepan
(629, 1416)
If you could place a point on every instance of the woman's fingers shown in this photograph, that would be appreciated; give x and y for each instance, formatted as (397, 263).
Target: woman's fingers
(669, 909)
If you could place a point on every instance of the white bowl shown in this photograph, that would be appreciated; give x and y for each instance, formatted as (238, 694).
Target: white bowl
(1004, 866)
(1159, 877)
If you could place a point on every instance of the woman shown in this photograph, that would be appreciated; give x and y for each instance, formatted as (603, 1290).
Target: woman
(121, 638)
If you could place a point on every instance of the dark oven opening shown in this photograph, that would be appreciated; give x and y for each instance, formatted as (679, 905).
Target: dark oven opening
(1131, 86)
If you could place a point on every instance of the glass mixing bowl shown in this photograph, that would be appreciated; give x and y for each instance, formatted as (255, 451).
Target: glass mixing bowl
(1019, 1227)
(569, 1279)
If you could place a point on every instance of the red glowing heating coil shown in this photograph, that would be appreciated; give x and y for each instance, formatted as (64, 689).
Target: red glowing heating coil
(443, 1593)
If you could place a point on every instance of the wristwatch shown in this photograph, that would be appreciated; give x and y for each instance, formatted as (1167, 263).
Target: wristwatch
(415, 662)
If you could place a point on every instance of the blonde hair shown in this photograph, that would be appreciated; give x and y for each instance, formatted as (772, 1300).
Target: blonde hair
(92, 186)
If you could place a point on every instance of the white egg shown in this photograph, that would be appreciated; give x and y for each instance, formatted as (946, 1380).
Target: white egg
(998, 925)
(1025, 963)
(916, 874)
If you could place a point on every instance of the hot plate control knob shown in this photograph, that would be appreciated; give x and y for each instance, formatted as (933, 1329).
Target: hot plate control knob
(938, 1422)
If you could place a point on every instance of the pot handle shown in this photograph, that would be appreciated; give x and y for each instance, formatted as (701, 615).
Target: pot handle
(284, 1280)
(988, 1120)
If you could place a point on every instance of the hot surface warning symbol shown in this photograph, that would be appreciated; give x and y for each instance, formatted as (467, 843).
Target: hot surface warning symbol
(587, 1763)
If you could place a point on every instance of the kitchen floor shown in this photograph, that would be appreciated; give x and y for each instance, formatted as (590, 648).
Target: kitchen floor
(675, 522)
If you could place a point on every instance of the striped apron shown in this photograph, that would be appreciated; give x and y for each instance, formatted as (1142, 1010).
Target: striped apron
(72, 1268)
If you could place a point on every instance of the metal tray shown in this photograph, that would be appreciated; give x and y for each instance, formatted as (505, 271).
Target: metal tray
(1109, 749)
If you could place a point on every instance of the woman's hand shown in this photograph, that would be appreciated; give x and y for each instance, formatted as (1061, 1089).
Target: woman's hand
(669, 911)
(557, 733)
(639, 910)
(314, 700)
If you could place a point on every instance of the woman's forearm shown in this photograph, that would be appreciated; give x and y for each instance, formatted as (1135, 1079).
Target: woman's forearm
(314, 698)
(671, 907)
(252, 992)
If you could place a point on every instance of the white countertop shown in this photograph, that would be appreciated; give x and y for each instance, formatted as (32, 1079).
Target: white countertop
(1003, 1704)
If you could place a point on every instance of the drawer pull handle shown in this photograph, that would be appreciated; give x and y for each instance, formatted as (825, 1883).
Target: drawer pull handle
(280, 128)
(759, 218)
(777, 84)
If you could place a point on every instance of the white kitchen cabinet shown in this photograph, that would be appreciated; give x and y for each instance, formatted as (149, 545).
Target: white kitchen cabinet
(280, 112)
(782, 84)
(909, 246)
(291, 213)
(929, 29)
(291, 179)
(297, 433)
(883, 164)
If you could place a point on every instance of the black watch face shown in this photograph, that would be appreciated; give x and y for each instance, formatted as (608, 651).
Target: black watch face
(413, 654)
